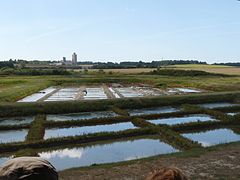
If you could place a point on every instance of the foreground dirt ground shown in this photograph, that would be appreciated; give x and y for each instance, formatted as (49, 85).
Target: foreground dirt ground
(218, 163)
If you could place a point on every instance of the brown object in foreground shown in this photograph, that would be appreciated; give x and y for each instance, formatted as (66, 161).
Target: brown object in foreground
(167, 173)
(28, 168)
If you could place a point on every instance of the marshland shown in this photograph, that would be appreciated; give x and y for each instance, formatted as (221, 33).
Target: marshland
(91, 119)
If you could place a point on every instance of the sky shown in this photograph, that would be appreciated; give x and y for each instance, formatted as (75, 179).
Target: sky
(120, 30)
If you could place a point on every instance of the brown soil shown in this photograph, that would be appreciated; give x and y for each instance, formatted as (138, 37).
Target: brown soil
(221, 163)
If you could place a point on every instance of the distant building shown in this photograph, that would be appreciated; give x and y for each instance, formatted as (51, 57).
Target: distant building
(74, 59)
(64, 59)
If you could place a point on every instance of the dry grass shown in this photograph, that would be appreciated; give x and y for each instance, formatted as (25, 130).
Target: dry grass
(209, 68)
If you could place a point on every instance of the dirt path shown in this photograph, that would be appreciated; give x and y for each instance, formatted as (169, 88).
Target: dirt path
(221, 163)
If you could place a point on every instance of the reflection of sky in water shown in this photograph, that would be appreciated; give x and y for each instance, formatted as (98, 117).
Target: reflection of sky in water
(158, 110)
(231, 114)
(4, 159)
(181, 120)
(87, 129)
(216, 105)
(83, 115)
(115, 152)
(213, 137)
(16, 120)
(13, 135)
(187, 90)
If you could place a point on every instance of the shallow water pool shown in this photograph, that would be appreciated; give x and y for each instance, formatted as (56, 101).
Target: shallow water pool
(13, 135)
(81, 116)
(37, 96)
(106, 153)
(63, 132)
(216, 105)
(16, 120)
(213, 137)
(155, 110)
(182, 120)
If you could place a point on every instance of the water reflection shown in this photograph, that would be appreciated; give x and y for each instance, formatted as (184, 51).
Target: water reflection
(155, 110)
(232, 114)
(49, 133)
(216, 105)
(16, 120)
(13, 135)
(181, 120)
(4, 159)
(114, 152)
(81, 116)
(213, 137)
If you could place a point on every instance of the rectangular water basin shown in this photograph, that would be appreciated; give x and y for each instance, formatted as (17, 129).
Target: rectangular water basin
(13, 135)
(216, 105)
(16, 120)
(37, 96)
(129, 92)
(183, 90)
(63, 132)
(65, 94)
(81, 116)
(182, 120)
(213, 137)
(106, 153)
(94, 93)
(154, 110)
(147, 91)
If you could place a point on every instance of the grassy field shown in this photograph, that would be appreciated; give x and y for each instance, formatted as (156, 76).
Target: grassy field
(13, 88)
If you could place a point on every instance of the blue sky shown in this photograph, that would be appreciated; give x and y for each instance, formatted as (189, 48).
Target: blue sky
(117, 30)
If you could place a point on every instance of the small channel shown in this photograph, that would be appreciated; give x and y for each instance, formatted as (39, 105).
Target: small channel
(81, 116)
(63, 132)
(155, 110)
(213, 137)
(182, 120)
(16, 120)
(106, 153)
(13, 135)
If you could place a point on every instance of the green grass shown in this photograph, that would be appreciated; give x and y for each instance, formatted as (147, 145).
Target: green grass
(37, 129)
(13, 88)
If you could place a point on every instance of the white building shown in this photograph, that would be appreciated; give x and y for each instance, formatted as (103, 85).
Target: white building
(74, 59)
